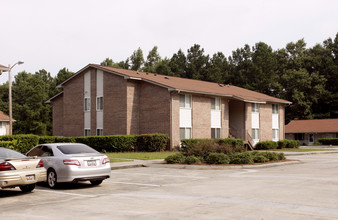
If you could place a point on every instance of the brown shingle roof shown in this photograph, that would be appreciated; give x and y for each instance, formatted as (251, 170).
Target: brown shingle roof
(312, 126)
(190, 85)
(4, 68)
(3, 116)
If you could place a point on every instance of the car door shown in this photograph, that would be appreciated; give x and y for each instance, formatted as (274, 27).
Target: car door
(47, 155)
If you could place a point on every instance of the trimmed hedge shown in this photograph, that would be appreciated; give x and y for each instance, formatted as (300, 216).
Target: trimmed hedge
(21, 142)
(111, 143)
(192, 160)
(241, 158)
(7, 144)
(328, 141)
(151, 142)
(288, 144)
(175, 158)
(231, 142)
(218, 158)
(266, 145)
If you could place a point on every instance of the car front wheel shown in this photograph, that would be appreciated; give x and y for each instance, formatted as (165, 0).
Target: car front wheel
(27, 188)
(52, 179)
(96, 182)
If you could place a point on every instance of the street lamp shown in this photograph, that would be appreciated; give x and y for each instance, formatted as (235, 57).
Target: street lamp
(10, 95)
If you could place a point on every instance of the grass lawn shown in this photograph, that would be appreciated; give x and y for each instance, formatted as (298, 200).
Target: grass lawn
(303, 150)
(139, 155)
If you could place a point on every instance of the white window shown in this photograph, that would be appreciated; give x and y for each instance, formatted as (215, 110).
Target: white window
(215, 133)
(87, 132)
(185, 133)
(215, 103)
(99, 131)
(87, 104)
(275, 134)
(255, 133)
(274, 109)
(255, 107)
(185, 101)
(99, 103)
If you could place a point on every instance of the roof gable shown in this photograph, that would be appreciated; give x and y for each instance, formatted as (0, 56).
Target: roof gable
(312, 126)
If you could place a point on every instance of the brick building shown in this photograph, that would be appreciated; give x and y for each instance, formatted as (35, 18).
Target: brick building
(101, 100)
(308, 131)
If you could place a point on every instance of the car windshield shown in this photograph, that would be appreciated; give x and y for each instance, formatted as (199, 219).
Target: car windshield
(8, 153)
(76, 149)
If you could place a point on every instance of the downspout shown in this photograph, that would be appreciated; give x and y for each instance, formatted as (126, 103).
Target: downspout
(171, 122)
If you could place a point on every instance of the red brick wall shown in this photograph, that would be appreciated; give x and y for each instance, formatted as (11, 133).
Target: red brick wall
(93, 102)
(265, 122)
(281, 122)
(201, 117)
(225, 118)
(73, 107)
(58, 115)
(133, 107)
(175, 124)
(154, 109)
(115, 104)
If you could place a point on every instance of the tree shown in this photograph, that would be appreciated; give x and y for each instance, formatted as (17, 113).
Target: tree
(137, 59)
(218, 69)
(153, 59)
(196, 63)
(178, 63)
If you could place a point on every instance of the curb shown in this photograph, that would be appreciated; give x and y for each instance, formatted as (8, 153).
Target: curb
(220, 167)
(126, 166)
(308, 153)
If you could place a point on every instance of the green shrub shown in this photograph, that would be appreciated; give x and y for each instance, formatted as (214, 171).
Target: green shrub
(7, 144)
(241, 158)
(328, 141)
(288, 144)
(175, 158)
(266, 145)
(217, 158)
(22, 142)
(188, 144)
(281, 156)
(231, 142)
(109, 143)
(192, 160)
(272, 156)
(152, 142)
(201, 149)
(223, 148)
(260, 159)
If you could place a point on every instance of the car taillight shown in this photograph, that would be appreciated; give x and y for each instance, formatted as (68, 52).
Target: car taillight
(6, 166)
(105, 160)
(40, 164)
(71, 162)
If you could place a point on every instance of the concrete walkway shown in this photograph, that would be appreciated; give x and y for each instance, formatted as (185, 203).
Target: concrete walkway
(160, 163)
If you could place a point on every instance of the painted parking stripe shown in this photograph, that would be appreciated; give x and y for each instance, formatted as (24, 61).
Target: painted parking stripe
(65, 193)
(138, 184)
(164, 175)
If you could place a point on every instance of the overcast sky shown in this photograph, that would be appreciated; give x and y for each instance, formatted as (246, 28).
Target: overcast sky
(51, 35)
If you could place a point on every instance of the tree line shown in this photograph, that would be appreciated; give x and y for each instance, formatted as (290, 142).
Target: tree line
(308, 77)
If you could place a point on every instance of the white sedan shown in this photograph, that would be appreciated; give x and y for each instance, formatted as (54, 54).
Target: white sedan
(72, 162)
(18, 170)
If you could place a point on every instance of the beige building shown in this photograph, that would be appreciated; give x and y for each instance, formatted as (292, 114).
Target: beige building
(101, 100)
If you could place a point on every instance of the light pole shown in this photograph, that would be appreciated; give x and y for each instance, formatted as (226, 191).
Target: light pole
(10, 95)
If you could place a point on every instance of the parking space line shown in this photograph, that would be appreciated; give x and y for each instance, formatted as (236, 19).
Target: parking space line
(65, 193)
(164, 175)
(138, 184)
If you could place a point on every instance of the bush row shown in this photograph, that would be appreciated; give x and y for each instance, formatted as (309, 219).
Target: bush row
(328, 141)
(268, 145)
(202, 147)
(221, 158)
(111, 143)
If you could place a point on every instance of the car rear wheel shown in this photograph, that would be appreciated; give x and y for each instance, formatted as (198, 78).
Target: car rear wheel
(96, 182)
(52, 179)
(27, 188)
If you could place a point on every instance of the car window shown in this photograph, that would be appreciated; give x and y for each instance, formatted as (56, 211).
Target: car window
(46, 151)
(76, 149)
(8, 153)
(35, 151)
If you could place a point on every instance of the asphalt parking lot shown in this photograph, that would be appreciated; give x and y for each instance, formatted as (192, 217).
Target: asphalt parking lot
(307, 190)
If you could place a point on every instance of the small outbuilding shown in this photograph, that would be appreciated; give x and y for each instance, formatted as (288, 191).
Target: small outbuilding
(308, 131)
